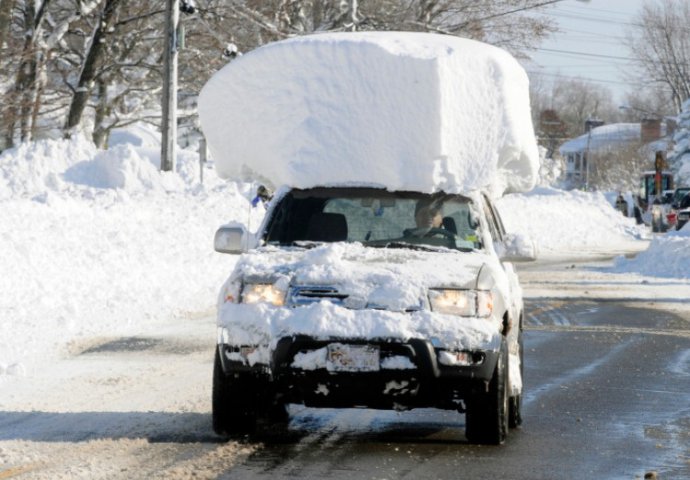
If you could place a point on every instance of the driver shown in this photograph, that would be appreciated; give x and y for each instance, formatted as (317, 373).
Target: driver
(427, 214)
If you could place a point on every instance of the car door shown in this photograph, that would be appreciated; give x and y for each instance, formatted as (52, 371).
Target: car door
(498, 234)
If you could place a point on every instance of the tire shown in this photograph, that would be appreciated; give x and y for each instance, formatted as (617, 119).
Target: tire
(233, 411)
(515, 404)
(486, 419)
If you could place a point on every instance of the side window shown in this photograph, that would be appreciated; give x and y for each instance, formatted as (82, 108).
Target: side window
(497, 218)
(495, 225)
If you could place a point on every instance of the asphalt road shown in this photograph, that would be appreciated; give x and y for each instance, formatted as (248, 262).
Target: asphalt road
(607, 396)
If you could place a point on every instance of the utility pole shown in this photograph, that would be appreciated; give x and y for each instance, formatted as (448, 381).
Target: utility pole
(169, 124)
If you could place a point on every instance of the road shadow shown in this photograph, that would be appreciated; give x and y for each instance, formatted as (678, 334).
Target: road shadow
(367, 426)
(156, 427)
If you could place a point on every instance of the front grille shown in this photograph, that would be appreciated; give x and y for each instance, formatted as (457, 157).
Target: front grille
(304, 295)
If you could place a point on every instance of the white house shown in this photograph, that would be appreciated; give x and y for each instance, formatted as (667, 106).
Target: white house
(605, 139)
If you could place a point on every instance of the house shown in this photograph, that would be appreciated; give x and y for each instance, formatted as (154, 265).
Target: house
(585, 154)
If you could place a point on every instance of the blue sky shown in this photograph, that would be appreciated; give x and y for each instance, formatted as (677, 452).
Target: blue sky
(591, 43)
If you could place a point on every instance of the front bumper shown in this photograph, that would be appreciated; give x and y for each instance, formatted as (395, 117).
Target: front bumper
(428, 381)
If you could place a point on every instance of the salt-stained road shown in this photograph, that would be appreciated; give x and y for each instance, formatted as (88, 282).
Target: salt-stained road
(607, 374)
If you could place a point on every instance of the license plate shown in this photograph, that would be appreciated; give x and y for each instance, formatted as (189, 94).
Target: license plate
(352, 358)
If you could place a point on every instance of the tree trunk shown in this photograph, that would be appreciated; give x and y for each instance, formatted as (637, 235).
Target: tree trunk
(89, 70)
(6, 7)
(26, 76)
(100, 131)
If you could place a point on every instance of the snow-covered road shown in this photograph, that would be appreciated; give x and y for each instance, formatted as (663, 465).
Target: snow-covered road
(606, 373)
(121, 407)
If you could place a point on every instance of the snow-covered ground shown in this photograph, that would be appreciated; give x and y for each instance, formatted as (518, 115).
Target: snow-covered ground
(100, 243)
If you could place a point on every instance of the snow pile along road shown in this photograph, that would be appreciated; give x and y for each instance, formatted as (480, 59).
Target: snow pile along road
(667, 256)
(569, 223)
(408, 111)
(102, 243)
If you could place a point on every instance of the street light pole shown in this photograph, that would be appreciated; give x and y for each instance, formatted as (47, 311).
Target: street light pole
(169, 121)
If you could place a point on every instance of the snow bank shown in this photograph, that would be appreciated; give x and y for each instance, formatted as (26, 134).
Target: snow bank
(100, 243)
(66, 166)
(408, 111)
(568, 222)
(667, 256)
(34, 168)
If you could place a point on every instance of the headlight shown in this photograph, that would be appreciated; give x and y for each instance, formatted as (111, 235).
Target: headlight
(263, 293)
(464, 303)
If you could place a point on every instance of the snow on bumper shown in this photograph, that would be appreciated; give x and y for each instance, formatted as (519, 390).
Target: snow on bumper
(263, 326)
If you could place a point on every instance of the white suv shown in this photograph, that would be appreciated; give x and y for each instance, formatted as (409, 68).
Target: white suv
(364, 297)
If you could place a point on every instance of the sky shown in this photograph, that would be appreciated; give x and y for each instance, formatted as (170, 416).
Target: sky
(590, 44)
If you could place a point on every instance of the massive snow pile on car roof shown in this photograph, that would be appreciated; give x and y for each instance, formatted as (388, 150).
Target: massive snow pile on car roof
(408, 111)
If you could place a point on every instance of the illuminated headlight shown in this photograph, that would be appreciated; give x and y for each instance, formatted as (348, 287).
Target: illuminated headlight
(464, 303)
(263, 293)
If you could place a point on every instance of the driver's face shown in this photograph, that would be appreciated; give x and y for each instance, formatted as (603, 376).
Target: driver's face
(427, 218)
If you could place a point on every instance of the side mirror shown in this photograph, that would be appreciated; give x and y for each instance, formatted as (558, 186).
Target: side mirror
(516, 248)
(231, 238)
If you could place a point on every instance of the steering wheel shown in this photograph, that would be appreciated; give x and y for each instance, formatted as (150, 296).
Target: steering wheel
(429, 232)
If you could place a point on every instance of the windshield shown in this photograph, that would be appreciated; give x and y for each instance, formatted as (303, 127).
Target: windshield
(680, 193)
(376, 218)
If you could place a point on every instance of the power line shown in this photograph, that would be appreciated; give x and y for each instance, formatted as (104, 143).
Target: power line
(588, 79)
(606, 20)
(586, 54)
(590, 18)
(570, 52)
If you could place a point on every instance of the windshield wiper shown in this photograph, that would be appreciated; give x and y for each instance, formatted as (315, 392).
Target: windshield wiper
(306, 244)
(414, 246)
(409, 246)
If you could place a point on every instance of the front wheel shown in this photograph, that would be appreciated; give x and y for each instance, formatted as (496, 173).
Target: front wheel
(233, 411)
(515, 407)
(486, 419)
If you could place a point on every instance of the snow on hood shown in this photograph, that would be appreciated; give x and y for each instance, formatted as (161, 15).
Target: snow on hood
(392, 278)
(406, 111)
(387, 281)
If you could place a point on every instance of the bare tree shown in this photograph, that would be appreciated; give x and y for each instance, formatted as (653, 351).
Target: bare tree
(94, 65)
(660, 44)
(573, 101)
(95, 54)
(655, 102)
(618, 168)
(500, 22)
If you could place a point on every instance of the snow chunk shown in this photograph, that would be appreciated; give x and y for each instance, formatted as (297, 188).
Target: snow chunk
(397, 363)
(408, 111)
(667, 256)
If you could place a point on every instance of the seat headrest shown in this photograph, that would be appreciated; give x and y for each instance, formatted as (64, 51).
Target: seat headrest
(327, 227)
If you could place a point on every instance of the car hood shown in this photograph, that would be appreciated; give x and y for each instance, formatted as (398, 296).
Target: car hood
(356, 276)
